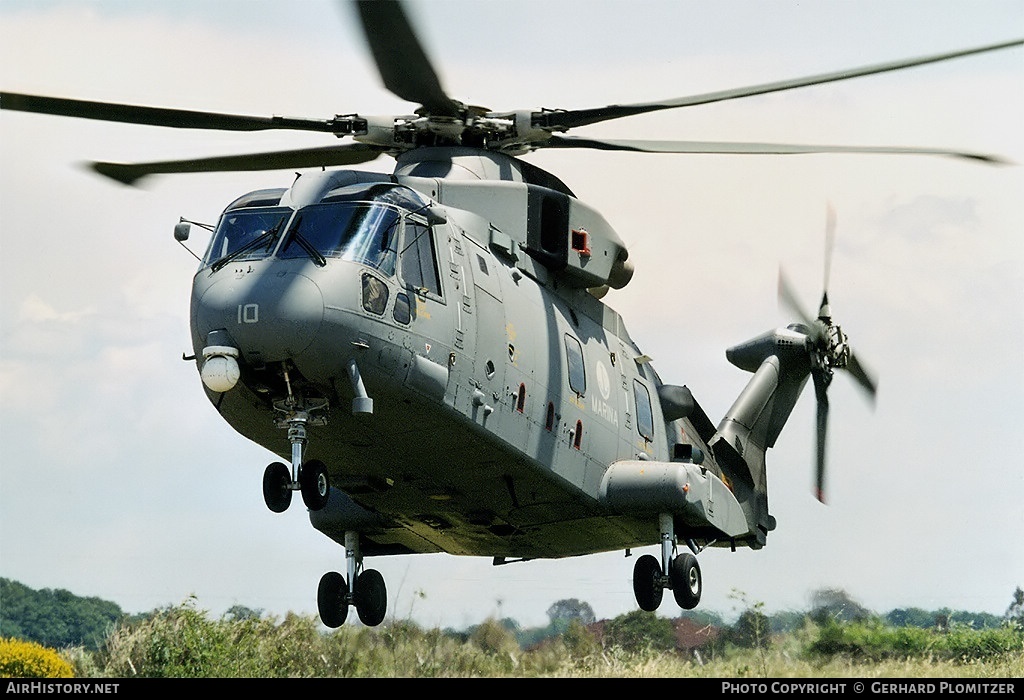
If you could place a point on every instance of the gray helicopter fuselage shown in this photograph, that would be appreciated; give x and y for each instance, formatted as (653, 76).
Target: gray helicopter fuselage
(502, 389)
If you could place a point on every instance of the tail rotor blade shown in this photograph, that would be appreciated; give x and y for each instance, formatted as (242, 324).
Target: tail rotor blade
(788, 298)
(830, 242)
(863, 378)
(821, 391)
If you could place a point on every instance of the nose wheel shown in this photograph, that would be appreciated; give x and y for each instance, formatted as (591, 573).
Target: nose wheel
(368, 593)
(313, 484)
(277, 487)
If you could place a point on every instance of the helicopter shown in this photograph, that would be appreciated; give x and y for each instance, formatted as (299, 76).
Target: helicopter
(420, 320)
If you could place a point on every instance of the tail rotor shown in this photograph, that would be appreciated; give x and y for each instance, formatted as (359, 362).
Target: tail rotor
(828, 350)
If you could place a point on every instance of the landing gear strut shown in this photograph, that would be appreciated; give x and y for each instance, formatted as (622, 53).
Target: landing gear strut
(363, 588)
(683, 573)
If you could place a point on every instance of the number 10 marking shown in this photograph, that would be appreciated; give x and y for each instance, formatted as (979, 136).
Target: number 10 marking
(248, 313)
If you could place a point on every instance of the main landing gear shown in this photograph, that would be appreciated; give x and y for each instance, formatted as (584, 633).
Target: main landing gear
(683, 573)
(368, 594)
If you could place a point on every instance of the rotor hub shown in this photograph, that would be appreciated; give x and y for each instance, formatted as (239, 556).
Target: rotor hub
(836, 353)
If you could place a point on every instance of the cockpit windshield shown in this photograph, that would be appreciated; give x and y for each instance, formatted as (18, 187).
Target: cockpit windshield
(246, 234)
(356, 223)
(362, 232)
(360, 223)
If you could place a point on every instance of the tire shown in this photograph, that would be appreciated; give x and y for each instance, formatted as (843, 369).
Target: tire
(646, 583)
(316, 488)
(332, 599)
(370, 597)
(277, 493)
(686, 580)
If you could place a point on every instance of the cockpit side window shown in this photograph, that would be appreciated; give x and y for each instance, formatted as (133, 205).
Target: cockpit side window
(246, 234)
(418, 266)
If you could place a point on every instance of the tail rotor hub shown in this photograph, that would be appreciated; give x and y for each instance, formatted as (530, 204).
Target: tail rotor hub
(836, 353)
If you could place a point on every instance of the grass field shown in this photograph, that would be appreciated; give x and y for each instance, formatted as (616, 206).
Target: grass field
(185, 642)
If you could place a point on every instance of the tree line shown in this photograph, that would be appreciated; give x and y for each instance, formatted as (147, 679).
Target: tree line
(60, 619)
(55, 618)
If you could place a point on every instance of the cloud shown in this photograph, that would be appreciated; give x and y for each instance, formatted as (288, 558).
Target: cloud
(33, 309)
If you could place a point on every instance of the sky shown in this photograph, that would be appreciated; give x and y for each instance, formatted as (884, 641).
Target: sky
(119, 480)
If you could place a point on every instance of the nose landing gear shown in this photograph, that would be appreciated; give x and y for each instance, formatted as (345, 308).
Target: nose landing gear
(308, 477)
(680, 573)
(367, 591)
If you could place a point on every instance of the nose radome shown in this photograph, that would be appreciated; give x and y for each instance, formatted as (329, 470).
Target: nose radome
(273, 313)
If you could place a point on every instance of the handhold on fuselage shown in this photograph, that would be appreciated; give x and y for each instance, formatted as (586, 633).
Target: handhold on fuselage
(361, 403)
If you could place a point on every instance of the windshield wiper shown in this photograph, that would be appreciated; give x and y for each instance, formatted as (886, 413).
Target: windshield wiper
(310, 249)
(251, 245)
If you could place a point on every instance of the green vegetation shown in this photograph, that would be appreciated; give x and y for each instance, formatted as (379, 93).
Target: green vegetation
(20, 659)
(835, 639)
(874, 641)
(639, 631)
(182, 641)
(55, 618)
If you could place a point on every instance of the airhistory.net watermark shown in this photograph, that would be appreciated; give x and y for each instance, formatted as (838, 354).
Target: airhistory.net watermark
(60, 688)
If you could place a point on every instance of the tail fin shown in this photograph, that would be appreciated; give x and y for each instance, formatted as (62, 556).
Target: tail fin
(781, 365)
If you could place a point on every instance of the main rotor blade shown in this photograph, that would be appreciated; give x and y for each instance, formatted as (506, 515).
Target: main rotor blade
(349, 154)
(400, 58)
(156, 116)
(561, 120)
(749, 148)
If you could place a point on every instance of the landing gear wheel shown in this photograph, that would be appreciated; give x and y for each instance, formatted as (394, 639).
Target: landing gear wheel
(686, 582)
(332, 599)
(276, 487)
(370, 597)
(315, 486)
(647, 583)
